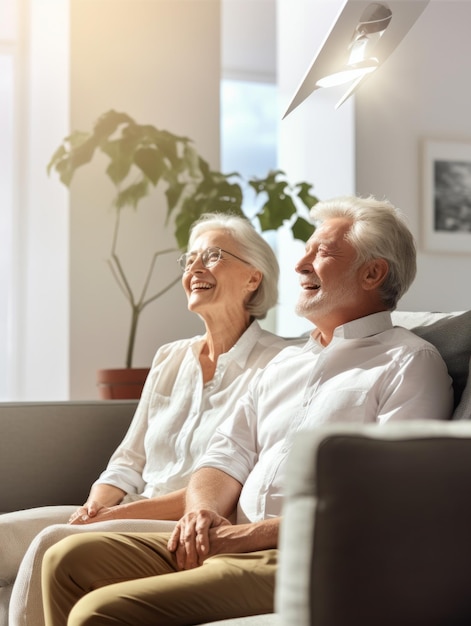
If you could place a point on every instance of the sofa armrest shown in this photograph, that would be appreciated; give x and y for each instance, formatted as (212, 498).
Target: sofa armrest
(376, 526)
(51, 452)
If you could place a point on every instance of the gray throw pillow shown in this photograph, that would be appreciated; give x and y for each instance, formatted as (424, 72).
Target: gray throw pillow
(450, 333)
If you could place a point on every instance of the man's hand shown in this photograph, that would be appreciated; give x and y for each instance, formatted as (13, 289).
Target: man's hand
(193, 537)
(202, 534)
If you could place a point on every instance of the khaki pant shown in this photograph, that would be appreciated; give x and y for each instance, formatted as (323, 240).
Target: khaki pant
(131, 578)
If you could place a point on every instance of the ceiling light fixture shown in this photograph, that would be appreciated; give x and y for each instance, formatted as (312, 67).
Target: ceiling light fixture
(373, 22)
(377, 27)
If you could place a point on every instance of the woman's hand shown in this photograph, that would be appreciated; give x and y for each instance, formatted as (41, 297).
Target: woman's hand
(191, 540)
(101, 496)
(85, 514)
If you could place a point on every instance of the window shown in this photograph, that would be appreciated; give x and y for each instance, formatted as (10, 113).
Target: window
(249, 139)
(249, 131)
(248, 126)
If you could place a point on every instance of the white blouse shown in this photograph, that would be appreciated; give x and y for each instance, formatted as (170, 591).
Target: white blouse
(178, 414)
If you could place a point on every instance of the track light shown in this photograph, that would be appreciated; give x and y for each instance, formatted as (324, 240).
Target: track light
(377, 28)
(361, 60)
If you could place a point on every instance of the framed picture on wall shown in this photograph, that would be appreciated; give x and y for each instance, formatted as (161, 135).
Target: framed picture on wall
(446, 196)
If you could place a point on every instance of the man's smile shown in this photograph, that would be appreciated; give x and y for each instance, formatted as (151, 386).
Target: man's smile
(310, 286)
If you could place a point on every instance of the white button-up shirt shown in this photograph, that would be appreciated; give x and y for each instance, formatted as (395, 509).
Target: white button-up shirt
(178, 414)
(370, 372)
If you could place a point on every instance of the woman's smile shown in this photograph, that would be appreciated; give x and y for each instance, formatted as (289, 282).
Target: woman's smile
(197, 285)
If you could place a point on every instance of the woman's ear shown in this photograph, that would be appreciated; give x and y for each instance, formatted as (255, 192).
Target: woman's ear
(374, 273)
(255, 279)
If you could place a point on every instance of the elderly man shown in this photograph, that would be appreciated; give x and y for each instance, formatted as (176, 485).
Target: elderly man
(356, 367)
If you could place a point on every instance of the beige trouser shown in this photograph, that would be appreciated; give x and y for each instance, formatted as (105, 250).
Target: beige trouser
(131, 578)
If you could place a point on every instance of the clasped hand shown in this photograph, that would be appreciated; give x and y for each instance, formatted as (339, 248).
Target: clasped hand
(196, 537)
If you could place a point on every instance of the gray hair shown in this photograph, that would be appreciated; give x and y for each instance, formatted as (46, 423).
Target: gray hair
(253, 248)
(378, 231)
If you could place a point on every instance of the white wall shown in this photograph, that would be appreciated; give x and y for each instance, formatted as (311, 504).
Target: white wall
(248, 40)
(159, 62)
(421, 92)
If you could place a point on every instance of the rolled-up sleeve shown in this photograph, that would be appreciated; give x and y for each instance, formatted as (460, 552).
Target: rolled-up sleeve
(233, 447)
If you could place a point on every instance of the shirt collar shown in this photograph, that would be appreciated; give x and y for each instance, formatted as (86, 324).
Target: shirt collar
(240, 351)
(361, 327)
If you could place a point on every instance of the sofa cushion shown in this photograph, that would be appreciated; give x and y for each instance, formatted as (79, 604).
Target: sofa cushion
(450, 333)
(376, 526)
(53, 451)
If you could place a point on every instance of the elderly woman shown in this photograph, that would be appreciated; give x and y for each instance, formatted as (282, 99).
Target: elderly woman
(230, 277)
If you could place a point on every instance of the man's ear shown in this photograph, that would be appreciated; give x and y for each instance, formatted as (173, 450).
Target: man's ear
(374, 273)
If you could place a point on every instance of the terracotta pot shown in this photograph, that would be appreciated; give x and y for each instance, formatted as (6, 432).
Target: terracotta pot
(121, 384)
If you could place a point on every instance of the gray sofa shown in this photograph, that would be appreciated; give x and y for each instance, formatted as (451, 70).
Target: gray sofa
(51, 452)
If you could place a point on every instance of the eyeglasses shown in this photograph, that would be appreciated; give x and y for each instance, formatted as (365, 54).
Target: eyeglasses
(209, 257)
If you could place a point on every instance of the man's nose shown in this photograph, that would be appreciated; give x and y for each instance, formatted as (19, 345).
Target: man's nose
(304, 266)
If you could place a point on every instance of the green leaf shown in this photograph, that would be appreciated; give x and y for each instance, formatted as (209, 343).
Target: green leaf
(150, 162)
(302, 229)
(174, 193)
(78, 156)
(172, 148)
(132, 195)
(121, 152)
(107, 124)
(75, 150)
(190, 213)
(303, 194)
(194, 206)
(268, 183)
(192, 160)
(274, 213)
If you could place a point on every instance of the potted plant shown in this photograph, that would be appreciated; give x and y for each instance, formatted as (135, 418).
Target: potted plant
(142, 157)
